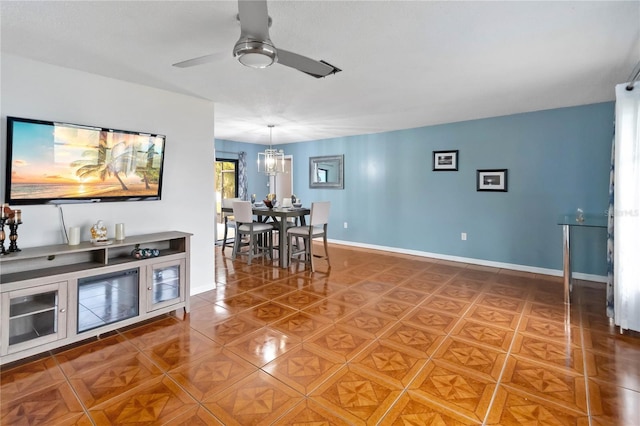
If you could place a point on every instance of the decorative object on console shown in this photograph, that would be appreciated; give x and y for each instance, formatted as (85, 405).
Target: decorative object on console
(10, 215)
(2, 236)
(13, 227)
(4, 216)
(98, 232)
(445, 161)
(491, 180)
(74, 236)
(119, 231)
(12, 218)
(137, 252)
(144, 253)
(294, 199)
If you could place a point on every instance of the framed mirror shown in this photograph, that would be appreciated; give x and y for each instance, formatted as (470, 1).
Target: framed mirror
(326, 172)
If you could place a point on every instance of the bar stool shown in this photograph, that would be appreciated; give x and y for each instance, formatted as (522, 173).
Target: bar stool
(245, 225)
(317, 228)
(229, 222)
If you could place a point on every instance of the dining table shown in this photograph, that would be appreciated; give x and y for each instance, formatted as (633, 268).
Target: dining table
(279, 215)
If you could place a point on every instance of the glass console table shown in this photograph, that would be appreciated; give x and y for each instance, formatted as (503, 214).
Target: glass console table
(568, 222)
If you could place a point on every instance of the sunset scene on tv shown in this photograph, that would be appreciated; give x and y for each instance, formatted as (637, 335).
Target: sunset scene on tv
(61, 161)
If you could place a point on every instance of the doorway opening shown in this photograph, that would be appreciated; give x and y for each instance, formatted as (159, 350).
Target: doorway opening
(282, 183)
(226, 181)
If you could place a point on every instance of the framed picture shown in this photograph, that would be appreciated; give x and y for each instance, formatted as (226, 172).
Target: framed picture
(445, 161)
(492, 180)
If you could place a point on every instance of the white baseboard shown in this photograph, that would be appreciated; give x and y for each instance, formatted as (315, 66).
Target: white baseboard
(473, 261)
(590, 277)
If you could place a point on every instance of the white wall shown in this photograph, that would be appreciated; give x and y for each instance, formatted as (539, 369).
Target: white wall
(36, 90)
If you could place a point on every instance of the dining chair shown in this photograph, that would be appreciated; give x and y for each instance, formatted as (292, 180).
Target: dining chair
(229, 222)
(287, 204)
(245, 225)
(317, 228)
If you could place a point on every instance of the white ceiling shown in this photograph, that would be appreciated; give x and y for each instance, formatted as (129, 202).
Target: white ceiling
(405, 63)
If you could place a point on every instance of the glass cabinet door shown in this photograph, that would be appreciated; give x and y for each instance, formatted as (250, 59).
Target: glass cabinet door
(165, 284)
(107, 299)
(33, 316)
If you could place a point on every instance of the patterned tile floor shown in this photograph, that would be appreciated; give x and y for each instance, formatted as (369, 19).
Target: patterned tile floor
(380, 339)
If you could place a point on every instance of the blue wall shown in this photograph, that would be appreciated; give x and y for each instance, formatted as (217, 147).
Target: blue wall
(558, 161)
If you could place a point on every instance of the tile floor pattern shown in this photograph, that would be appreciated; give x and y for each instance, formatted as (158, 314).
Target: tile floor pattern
(381, 339)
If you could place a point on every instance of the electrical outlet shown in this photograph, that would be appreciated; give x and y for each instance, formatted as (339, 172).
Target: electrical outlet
(463, 236)
(346, 225)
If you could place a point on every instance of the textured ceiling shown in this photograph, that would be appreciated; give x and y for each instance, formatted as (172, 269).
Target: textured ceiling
(405, 64)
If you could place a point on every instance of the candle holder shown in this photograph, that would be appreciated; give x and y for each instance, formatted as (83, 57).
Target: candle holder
(13, 236)
(2, 235)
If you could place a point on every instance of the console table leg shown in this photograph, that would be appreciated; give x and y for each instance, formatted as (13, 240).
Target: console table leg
(566, 262)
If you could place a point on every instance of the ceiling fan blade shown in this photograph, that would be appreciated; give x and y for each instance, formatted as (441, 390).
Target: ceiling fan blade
(306, 65)
(254, 19)
(199, 60)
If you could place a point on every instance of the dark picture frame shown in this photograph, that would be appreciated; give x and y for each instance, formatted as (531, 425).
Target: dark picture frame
(492, 180)
(445, 161)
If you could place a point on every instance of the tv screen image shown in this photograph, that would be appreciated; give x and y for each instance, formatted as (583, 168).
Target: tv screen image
(51, 162)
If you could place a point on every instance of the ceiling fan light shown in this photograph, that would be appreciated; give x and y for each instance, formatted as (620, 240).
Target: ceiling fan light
(254, 53)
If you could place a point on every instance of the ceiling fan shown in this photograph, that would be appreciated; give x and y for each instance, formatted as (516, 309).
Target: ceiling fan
(255, 49)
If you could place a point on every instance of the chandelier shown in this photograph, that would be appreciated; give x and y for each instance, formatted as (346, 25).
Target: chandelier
(271, 161)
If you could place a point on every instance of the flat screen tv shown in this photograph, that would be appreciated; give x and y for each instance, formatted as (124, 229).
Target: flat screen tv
(53, 163)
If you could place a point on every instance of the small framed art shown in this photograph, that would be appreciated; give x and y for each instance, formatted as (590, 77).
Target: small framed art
(445, 161)
(492, 180)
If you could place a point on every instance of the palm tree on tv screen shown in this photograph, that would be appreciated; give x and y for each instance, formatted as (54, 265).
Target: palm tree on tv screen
(149, 174)
(104, 162)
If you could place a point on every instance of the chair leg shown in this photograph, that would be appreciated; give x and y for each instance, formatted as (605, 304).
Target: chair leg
(224, 238)
(326, 250)
(311, 256)
(236, 246)
(265, 248)
(252, 247)
(289, 248)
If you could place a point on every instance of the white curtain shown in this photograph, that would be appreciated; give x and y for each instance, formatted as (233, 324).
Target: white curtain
(627, 209)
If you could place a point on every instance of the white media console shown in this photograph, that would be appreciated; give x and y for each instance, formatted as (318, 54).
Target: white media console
(56, 295)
